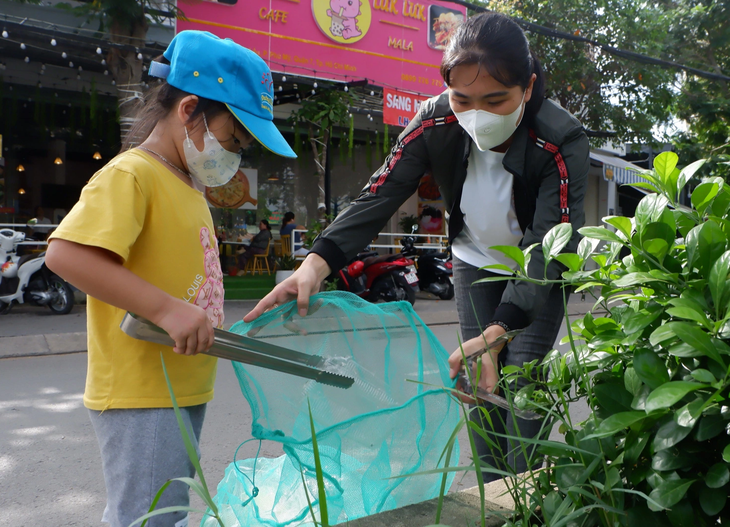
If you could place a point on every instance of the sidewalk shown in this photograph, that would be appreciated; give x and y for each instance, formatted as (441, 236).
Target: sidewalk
(31, 331)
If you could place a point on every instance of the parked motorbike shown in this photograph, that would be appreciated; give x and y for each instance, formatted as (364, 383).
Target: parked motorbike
(27, 279)
(390, 277)
(434, 268)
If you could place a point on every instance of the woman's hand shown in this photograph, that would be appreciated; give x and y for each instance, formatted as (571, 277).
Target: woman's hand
(188, 325)
(489, 377)
(301, 285)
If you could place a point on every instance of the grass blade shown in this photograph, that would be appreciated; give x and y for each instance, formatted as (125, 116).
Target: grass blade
(318, 469)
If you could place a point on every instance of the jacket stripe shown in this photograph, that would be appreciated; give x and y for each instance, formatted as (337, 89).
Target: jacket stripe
(562, 170)
(436, 121)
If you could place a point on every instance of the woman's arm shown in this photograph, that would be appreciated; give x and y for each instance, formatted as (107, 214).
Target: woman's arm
(100, 274)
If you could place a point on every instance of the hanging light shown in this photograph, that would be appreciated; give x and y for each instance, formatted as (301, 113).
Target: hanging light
(139, 56)
(64, 55)
(5, 33)
(98, 51)
(97, 155)
(315, 84)
(283, 78)
(70, 64)
(22, 46)
(114, 83)
(81, 69)
(103, 62)
(27, 59)
(106, 72)
(21, 168)
(313, 92)
(347, 89)
(53, 42)
(21, 191)
(281, 88)
(58, 161)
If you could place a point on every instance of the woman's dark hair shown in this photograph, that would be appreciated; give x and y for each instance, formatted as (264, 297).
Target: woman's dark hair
(266, 224)
(497, 44)
(289, 216)
(158, 103)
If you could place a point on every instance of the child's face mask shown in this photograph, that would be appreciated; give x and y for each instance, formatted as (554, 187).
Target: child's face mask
(214, 166)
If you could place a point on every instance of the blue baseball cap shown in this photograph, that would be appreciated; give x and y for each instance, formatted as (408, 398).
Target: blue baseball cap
(219, 69)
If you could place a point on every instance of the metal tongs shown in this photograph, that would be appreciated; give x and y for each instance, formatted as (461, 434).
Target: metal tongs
(464, 383)
(247, 350)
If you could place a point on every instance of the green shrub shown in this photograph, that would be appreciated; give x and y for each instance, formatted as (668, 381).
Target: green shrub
(653, 367)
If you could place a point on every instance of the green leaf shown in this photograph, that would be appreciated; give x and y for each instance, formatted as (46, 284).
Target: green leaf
(649, 210)
(687, 173)
(716, 283)
(570, 260)
(698, 339)
(661, 334)
(726, 454)
(717, 476)
(631, 279)
(666, 395)
(664, 165)
(711, 244)
(501, 267)
(511, 252)
(638, 321)
(703, 194)
(613, 397)
(616, 423)
(689, 313)
(650, 368)
(586, 247)
(670, 459)
(622, 224)
(555, 240)
(657, 238)
(669, 493)
(712, 500)
(703, 375)
(669, 434)
(691, 241)
(709, 426)
(600, 233)
(632, 383)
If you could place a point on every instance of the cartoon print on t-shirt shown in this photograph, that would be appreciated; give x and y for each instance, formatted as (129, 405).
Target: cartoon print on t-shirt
(210, 294)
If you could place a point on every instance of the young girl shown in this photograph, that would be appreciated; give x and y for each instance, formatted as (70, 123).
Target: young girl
(510, 165)
(141, 239)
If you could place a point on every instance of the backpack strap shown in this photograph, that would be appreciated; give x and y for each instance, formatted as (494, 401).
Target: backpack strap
(562, 170)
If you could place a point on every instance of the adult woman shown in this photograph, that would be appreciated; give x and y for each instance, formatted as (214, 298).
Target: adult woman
(510, 166)
(258, 245)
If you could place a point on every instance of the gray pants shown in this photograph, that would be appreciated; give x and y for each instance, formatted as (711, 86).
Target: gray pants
(141, 449)
(476, 304)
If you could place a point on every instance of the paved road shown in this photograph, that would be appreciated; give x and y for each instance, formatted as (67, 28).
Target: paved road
(50, 471)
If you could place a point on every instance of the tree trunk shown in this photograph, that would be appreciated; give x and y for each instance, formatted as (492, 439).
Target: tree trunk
(126, 68)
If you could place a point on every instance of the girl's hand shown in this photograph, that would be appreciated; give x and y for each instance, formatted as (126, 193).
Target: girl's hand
(188, 325)
(489, 368)
(301, 285)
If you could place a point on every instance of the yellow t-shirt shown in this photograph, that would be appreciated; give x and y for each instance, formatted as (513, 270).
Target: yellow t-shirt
(163, 231)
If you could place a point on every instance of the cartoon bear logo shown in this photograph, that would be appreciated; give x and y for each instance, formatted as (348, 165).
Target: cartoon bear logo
(344, 21)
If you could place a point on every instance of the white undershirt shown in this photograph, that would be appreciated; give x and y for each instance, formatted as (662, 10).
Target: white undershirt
(489, 212)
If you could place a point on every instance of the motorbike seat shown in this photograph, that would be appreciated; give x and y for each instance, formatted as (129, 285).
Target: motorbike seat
(28, 257)
(377, 259)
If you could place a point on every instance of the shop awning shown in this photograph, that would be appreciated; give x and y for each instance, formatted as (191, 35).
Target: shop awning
(616, 169)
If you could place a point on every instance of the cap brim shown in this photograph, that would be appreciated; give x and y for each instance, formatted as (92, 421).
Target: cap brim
(264, 131)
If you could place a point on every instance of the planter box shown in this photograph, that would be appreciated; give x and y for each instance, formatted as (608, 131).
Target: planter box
(282, 275)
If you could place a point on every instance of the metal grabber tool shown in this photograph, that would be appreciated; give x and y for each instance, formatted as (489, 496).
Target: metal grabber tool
(465, 384)
(247, 350)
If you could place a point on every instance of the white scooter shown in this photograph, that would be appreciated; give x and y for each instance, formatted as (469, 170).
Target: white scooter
(27, 279)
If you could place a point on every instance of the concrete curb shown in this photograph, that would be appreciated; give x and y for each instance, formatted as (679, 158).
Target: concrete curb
(36, 345)
(460, 508)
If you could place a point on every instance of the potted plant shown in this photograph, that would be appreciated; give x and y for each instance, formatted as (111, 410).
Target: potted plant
(406, 223)
(285, 266)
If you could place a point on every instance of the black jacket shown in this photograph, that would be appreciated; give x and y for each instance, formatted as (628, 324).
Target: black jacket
(548, 158)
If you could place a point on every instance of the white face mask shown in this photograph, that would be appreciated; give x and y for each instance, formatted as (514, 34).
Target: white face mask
(214, 166)
(487, 129)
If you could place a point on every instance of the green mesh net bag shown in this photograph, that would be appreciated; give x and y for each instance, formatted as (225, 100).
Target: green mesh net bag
(373, 437)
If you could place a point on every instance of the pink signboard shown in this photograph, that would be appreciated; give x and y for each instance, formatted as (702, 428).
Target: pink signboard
(391, 43)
